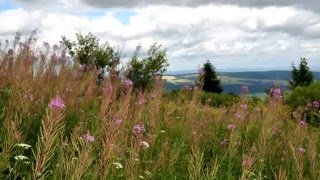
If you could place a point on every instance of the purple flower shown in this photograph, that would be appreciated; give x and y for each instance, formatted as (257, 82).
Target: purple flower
(237, 116)
(276, 93)
(88, 137)
(231, 126)
(224, 142)
(141, 99)
(187, 88)
(57, 103)
(244, 89)
(316, 104)
(244, 106)
(128, 82)
(302, 123)
(301, 150)
(138, 129)
(118, 121)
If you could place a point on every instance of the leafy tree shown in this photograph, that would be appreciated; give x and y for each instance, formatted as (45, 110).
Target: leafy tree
(89, 53)
(302, 76)
(143, 72)
(209, 77)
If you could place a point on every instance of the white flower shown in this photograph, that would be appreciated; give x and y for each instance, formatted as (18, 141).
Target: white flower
(141, 177)
(20, 158)
(144, 144)
(118, 165)
(162, 131)
(26, 146)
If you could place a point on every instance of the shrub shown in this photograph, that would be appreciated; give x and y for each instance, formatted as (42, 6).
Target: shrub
(217, 100)
(306, 99)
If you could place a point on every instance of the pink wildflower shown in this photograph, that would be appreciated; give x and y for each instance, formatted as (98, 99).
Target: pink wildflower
(57, 103)
(138, 129)
(88, 137)
(118, 121)
(244, 106)
(302, 123)
(316, 104)
(231, 126)
(244, 89)
(128, 82)
(187, 88)
(301, 150)
(224, 142)
(276, 93)
(237, 116)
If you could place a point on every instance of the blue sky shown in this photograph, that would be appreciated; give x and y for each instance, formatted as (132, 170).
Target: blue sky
(233, 34)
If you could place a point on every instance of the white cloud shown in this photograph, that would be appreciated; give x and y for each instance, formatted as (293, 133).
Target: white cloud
(230, 35)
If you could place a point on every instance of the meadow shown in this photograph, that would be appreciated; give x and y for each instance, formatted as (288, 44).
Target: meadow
(57, 122)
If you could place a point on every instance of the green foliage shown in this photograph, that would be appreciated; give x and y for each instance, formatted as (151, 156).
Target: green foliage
(300, 96)
(217, 100)
(211, 83)
(302, 76)
(89, 53)
(143, 72)
(305, 99)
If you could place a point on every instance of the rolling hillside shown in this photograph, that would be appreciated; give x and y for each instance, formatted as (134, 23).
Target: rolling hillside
(232, 81)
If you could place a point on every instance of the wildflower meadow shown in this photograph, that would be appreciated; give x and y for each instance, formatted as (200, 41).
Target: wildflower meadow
(59, 122)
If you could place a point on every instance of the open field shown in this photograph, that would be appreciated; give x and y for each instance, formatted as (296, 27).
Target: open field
(66, 126)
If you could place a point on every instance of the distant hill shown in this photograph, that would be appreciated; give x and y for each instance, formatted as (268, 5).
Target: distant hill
(257, 81)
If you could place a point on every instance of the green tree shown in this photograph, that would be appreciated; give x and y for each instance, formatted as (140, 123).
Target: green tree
(89, 53)
(209, 77)
(301, 76)
(143, 72)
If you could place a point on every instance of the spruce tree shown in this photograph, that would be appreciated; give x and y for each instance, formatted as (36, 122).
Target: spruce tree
(302, 76)
(211, 82)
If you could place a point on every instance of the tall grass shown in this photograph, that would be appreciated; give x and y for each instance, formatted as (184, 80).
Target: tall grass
(111, 131)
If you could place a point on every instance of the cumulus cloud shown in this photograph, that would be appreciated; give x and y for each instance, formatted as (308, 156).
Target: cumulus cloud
(313, 5)
(233, 36)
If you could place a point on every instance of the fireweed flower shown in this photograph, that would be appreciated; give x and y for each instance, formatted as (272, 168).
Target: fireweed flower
(237, 116)
(224, 142)
(138, 129)
(57, 103)
(301, 150)
(302, 123)
(231, 126)
(316, 104)
(275, 93)
(88, 137)
(244, 89)
(244, 106)
(187, 88)
(128, 82)
(119, 121)
(141, 99)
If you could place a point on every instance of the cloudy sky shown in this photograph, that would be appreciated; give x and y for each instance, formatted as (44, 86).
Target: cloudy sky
(234, 34)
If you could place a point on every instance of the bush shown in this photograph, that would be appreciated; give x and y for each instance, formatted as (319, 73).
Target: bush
(217, 100)
(306, 99)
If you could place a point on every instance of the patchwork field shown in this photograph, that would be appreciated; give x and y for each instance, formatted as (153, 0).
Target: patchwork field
(257, 82)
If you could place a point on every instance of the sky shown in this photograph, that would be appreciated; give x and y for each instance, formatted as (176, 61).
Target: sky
(232, 34)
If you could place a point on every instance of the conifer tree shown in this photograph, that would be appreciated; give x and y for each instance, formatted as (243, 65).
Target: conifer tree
(211, 82)
(302, 76)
